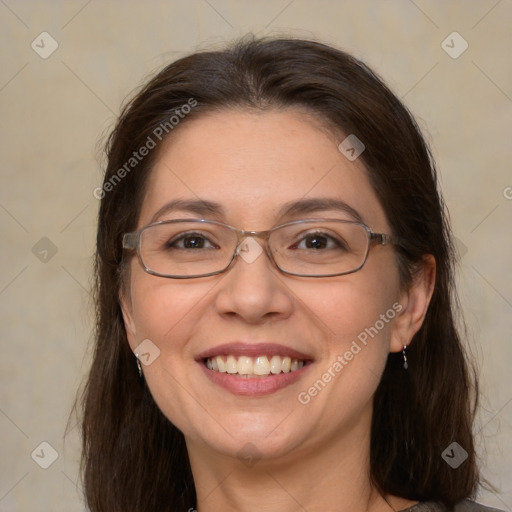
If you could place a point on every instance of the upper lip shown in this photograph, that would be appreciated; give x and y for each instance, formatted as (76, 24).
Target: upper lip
(240, 348)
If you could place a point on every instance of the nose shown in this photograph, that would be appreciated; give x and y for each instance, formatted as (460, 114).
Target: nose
(253, 290)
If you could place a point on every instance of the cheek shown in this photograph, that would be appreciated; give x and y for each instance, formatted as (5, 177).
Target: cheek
(357, 324)
(159, 304)
(166, 312)
(348, 306)
(357, 313)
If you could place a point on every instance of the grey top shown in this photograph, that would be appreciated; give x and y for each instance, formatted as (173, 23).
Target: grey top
(463, 506)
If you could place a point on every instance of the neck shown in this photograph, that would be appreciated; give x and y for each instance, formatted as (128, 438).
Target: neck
(333, 476)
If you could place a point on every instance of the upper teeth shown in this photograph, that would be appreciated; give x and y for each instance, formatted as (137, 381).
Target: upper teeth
(251, 366)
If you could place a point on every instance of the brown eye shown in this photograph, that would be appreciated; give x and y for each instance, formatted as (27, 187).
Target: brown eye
(190, 241)
(316, 242)
(319, 241)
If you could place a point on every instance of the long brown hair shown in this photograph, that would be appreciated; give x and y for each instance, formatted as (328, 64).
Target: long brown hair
(134, 459)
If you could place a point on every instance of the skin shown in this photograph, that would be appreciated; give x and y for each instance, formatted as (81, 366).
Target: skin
(314, 456)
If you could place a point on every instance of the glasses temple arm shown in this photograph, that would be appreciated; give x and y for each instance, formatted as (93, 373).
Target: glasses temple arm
(130, 241)
(383, 239)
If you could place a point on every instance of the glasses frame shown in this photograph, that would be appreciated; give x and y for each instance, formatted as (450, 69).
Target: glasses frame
(131, 241)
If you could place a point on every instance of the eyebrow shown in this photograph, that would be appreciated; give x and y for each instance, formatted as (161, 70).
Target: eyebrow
(206, 208)
(315, 205)
(201, 207)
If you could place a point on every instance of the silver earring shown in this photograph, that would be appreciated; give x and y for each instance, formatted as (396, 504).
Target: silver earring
(138, 365)
(406, 364)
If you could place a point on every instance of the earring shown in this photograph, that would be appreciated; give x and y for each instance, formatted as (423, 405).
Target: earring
(406, 364)
(138, 365)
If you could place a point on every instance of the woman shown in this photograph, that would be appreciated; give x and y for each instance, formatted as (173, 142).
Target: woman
(276, 327)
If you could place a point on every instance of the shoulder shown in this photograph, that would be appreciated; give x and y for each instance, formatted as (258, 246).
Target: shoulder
(463, 506)
(472, 506)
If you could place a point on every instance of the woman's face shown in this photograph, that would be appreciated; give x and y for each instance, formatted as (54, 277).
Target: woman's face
(254, 166)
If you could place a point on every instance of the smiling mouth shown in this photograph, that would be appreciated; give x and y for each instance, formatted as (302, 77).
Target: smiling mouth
(253, 367)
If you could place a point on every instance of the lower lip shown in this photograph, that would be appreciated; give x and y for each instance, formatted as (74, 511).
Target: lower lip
(256, 386)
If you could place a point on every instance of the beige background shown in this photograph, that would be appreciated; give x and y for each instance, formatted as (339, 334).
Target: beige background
(54, 110)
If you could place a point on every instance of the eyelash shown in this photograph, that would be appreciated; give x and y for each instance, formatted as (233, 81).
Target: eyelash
(171, 244)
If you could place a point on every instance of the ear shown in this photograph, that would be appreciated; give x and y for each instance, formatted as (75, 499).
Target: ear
(414, 301)
(129, 322)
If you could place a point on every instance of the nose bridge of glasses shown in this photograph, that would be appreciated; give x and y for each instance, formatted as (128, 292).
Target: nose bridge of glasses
(242, 233)
(249, 248)
(245, 237)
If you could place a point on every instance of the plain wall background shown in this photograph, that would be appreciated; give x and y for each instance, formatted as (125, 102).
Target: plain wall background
(54, 110)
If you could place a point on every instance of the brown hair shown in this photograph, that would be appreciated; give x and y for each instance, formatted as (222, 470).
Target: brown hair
(134, 459)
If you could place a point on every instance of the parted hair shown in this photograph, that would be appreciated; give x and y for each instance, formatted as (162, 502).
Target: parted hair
(134, 459)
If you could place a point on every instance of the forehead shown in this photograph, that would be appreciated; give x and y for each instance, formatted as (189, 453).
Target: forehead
(253, 163)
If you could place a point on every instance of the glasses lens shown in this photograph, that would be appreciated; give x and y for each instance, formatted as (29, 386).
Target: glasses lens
(320, 248)
(187, 248)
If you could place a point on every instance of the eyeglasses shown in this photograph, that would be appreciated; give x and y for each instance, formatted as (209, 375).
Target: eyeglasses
(191, 248)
